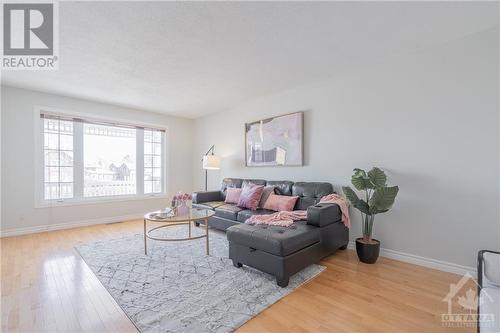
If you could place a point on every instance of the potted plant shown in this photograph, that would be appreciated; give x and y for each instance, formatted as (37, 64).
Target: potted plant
(378, 199)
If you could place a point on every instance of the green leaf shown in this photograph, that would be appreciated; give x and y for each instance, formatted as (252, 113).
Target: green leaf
(361, 181)
(382, 199)
(350, 194)
(359, 172)
(377, 177)
(354, 200)
(363, 207)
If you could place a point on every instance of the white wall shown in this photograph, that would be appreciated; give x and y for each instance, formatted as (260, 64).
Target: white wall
(430, 119)
(18, 172)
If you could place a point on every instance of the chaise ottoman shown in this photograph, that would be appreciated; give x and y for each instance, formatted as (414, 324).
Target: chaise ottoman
(284, 251)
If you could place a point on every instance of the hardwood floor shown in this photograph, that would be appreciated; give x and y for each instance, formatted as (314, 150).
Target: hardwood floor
(46, 287)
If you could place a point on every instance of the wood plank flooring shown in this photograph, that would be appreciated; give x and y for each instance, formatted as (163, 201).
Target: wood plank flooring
(47, 287)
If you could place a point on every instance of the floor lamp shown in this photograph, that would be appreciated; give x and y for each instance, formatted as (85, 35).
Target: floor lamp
(210, 162)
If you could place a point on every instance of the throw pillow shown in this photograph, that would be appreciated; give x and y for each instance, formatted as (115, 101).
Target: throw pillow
(232, 195)
(250, 196)
(280, 203)
(265, 194)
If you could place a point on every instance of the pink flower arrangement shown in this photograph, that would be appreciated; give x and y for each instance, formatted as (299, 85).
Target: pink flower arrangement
(183, 196)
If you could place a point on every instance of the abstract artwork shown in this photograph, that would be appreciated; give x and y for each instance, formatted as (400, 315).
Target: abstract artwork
(276, 141)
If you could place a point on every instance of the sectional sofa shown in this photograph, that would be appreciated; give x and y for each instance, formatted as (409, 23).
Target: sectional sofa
(279, 251)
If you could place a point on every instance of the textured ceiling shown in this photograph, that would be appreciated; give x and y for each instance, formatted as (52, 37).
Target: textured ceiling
(194, 58)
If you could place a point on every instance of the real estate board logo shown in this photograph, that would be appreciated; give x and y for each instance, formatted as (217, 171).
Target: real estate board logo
(465, 298)
(30, 36)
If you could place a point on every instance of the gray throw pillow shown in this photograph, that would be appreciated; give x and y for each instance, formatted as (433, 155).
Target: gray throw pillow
(265, 194)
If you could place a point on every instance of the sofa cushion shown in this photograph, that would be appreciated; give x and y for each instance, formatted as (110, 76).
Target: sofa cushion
(283, 187)
(229, 182)
(310, 193)
(265, 195)
(232, 195)
(492, 267)
(253, 181)
(250, 196)
(208, 205)
(245, 214)
(280, 203)
(228, 211)
(490, 305)
(280, 241)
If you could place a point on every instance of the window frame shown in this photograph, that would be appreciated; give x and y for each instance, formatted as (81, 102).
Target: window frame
(41, 202)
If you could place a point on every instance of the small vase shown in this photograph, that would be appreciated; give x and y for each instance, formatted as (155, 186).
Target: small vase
(183, 208)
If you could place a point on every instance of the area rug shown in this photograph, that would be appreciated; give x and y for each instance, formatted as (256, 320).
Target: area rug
(178, 288)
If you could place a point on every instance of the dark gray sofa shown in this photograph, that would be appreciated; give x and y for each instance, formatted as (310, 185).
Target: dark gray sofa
(279, 251)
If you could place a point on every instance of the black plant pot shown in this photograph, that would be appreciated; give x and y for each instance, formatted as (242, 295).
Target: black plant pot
(367, 253)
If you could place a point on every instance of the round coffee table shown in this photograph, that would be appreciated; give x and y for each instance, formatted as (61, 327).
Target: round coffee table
(194, 215)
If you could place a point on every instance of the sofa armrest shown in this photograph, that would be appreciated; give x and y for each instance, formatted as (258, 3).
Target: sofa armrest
(201, 197)
(323, 214)
(488, 267)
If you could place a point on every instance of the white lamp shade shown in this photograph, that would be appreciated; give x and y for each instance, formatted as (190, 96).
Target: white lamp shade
(211, 162)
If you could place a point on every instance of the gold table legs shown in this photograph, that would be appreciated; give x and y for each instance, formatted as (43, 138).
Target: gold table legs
(147, 235)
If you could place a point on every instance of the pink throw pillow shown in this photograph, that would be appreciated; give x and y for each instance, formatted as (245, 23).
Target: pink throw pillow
(280, 203)
(232, 195)
(250, 196)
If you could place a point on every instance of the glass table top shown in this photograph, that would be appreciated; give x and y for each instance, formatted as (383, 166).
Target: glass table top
(194, 214)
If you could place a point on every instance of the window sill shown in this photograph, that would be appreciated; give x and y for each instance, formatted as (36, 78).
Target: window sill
(100, 200)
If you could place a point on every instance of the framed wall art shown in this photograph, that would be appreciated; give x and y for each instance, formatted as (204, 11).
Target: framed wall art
(276, 141)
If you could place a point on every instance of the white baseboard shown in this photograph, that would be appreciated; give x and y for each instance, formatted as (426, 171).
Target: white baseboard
(423, 261)
(68, 225)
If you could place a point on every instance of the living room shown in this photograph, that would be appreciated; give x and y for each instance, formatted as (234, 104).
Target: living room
(250, 167)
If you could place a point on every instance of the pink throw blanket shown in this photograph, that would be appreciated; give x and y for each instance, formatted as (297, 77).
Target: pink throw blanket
(286, 219)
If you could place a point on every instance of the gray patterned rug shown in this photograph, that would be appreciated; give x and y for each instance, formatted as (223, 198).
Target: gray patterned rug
(177, 288)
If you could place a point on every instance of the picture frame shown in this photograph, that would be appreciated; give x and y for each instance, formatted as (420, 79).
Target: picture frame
(275, 141)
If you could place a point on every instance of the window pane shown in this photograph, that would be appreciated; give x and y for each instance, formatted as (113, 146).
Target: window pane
(51, 158)
(66, 158)
(109, 160)
(51, 141)
(148, 187)
(148, 149)
(66, 174)
(157, 173)
(156, 186)
(157, 149)
(52, 174)
(148, 174)
(58, 164)
(153, 154)
(51, 191)
(66, 142)
(51, 125)
(66, 190)
(66, 127)
(148, 161)
(156, 161)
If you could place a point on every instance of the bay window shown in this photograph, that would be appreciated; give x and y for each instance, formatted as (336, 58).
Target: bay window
(89, 159)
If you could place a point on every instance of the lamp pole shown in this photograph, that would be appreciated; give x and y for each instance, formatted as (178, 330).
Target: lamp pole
(206, 170)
